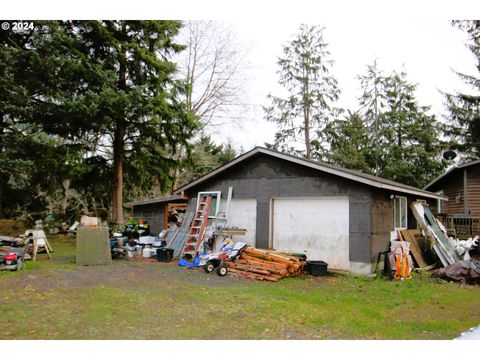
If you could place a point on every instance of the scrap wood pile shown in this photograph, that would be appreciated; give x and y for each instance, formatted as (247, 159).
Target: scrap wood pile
(256, 264)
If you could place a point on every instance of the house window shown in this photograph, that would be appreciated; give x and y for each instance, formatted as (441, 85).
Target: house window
(400, 212)
(215, 205)
(440, 204)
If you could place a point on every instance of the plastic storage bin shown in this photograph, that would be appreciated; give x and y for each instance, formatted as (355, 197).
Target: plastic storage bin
(317, 268)
(164, 254)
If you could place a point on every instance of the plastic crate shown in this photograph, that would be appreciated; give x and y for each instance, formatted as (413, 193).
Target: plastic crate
(165, 254)
(317, 268)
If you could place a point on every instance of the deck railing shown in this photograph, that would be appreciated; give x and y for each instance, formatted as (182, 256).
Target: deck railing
(461, 227)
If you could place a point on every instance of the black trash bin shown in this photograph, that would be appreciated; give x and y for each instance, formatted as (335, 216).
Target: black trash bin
(164, 254)
(317, 268)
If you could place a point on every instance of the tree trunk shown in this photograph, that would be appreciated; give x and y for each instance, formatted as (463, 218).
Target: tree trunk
(118, 157)
(376, 137)
(1, 177)
(119, 145)
(307, 133)
(306, 115)
(176, 172)
(66, 187)
(2, 214)
(399, 133)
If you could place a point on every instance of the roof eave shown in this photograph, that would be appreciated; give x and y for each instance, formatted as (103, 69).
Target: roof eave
(440, 177)
(154, 201)
(320, 167)
(455, 167)
(217, 170)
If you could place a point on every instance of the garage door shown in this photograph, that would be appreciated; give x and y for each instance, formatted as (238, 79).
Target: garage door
(243, 215)
(316, 226)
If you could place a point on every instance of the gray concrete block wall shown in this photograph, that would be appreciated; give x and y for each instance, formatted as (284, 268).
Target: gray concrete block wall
(360, 229)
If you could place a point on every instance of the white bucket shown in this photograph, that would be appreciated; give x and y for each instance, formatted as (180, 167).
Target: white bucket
(147, 252)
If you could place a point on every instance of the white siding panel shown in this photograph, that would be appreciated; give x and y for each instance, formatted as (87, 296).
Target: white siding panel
(243, 215)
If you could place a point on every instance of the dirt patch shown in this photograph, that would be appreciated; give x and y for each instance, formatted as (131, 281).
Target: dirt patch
(119, 274)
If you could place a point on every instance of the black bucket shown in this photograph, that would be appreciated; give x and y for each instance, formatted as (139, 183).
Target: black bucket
(317, 268)
(164, 254)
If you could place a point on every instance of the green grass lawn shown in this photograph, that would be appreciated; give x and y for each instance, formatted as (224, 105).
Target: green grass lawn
(127, 300)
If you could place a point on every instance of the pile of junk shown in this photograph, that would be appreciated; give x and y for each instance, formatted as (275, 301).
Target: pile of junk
(200, 236)
(135, 240)
(430, 248)
(15, 250)
(205, 239)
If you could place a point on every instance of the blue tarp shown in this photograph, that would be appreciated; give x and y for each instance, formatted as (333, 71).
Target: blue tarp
(183, 262)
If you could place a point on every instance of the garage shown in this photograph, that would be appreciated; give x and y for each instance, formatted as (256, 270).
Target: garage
(315, 226)
(243, 215)
(292, 204)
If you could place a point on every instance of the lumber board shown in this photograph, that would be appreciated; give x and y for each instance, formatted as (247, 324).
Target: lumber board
(258, 255)
(268, 267)
(253, 258)
(288, 255)
(231, 232)
(271, 278)
(266, 254)
(255, 250)
(248, 268)
(269, 264)
(270, 257)
(280, 256)
(281, 259)
(408, 236)
(251, 276)
(246, 274)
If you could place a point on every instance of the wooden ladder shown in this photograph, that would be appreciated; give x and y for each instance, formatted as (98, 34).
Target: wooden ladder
(197, 229)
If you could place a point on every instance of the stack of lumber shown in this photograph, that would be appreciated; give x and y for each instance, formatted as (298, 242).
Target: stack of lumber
(256, 264)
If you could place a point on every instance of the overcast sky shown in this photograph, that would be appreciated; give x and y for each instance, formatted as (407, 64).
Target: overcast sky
(429, 50)
(413, 33)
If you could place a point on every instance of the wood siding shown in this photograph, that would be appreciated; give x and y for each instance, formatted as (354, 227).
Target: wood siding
(473, 190)
(452, 186)
(383, 220)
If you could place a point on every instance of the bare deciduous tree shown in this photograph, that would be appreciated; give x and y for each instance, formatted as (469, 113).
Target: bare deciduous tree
(212, 66)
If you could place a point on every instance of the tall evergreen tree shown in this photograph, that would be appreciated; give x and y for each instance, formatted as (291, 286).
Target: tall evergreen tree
(409, 136)
(113, 78)
(464, 108)
(372, 103)
(305, 73)
(394, 138)
(349, 141)
(24, 148)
